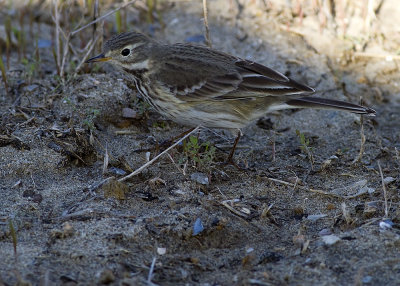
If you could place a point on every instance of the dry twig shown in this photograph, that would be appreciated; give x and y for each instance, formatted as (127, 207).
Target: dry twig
(65, 55)
(102, 17)
(173, 162)
(362, 146)
(56, 20)
(105, 162)
(321, 192)
(91, 45)
(375, 55)
(207, 30)
(346, 213)
(153, 263)
(226, 204)
(384, 191)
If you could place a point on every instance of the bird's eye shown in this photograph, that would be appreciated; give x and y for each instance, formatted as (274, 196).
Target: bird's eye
(125, 52)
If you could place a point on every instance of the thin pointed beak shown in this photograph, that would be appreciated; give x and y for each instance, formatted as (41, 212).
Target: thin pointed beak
(99, 58)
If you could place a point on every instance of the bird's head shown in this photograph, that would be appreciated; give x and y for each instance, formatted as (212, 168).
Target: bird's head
(127, 50)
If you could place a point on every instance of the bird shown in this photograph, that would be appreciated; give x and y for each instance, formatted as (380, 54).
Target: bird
(195, 85)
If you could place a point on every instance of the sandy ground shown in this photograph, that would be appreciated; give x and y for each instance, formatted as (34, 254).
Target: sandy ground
(281, 221)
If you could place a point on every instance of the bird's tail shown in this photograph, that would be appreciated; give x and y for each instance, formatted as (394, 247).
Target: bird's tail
(323, 103)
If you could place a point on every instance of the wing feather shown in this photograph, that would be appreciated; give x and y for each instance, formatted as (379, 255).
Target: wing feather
(220, 76)
(265, 80)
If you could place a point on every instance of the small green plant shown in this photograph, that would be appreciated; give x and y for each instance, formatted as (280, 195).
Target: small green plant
(202, 155)
(141, 106)
(305, 147)
(159, 124)
(13, 234)
(20, 36)
(55, 61)
(91, 115)
(3, 73)
(8, 28)
(72, 66)
(32, 68)
(151, 7)
(118, 21)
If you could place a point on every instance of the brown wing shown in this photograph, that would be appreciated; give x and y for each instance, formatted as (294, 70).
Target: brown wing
(259, 78)
(192, 85)
(195, 73)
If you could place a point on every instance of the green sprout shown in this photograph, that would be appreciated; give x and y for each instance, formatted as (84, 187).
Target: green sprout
(305, 147)
(32, 68)
(91, 115)
(13, 234)
(202, 155)
(118, 21)
(3, 73)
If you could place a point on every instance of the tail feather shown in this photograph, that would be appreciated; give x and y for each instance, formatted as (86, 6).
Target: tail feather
(323, 103)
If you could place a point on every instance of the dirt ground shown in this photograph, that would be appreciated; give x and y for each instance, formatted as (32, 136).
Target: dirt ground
(187, 219)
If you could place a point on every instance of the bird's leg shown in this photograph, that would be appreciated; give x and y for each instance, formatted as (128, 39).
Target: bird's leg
(230, 157)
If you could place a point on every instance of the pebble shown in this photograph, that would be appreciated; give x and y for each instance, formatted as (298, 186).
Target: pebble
(316, 217)
(325, 231)
(129, 113)
(161, 250)
(116, 171)
(31, 87)
(198, 227)
(388, 180)
(200, 178)
(385, 224)
(330, 239)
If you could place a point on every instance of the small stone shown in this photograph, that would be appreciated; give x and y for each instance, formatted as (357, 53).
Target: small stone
(325, 231)
(179, 192)
(200, 178)
(330, 239)
(316, 217)
(386, 224)
(161, 250)
(367, 279)
(129, 113)
(249, 250)
(31, 87)
(198, 227)
(388, 180)
(116, 171)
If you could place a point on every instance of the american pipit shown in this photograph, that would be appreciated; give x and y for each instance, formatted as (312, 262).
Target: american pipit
(195, 85)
